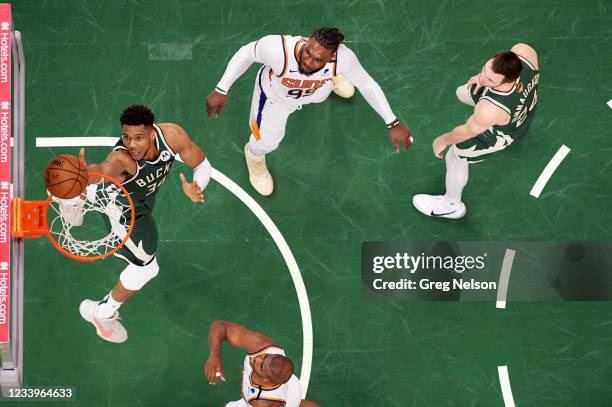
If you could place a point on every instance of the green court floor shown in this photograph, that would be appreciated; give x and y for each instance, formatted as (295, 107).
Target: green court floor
(338, 184)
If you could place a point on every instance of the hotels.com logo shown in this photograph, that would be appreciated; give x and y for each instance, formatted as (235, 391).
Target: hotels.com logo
(4, 26)
(4, 105)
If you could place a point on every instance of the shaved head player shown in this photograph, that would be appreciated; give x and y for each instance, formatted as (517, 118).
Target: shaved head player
(267, 375)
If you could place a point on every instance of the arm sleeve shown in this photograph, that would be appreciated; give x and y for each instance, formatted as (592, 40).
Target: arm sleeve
(349, 66)
(267, 50)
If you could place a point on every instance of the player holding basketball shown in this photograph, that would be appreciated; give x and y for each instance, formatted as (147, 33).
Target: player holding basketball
(141, 160)
(504, 96)
(267, 375)
(296, 71)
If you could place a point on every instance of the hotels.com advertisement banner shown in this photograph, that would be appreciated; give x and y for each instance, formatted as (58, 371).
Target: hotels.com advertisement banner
(5, 169)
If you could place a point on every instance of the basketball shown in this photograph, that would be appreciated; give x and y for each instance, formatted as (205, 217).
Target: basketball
(65, 178)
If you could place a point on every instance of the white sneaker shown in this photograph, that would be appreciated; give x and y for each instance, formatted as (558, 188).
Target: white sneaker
(258, 173)
(71, 210)
(343, 87)
(109, 329)
(438, 206)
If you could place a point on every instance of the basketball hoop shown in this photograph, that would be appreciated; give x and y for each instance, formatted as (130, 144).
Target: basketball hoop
(61, 219)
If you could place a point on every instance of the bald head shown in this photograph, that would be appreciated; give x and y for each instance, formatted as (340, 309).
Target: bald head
(281, 369)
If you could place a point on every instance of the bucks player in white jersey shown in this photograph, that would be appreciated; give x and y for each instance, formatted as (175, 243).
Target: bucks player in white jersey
(141, 160)
(504, 96)
(296, 71)
(267, 374)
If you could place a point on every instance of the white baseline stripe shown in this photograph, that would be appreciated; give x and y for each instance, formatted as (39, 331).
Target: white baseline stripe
(76, 141)
(549, 170)
(610, 103)
(504, 381)
(504, 278)
(263, 217)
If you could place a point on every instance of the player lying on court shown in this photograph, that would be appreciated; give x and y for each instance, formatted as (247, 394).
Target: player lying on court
(267, 375)
(296, 71)
(504, 96)
(140, 161)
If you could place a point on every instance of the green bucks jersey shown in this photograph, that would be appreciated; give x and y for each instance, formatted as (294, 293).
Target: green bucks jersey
(519, 102)
(150, 175)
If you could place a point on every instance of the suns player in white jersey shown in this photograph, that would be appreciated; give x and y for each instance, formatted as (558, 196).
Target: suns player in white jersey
(297, 71)
(267, 374)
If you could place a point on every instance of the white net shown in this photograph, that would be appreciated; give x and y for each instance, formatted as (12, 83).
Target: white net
(66, 220)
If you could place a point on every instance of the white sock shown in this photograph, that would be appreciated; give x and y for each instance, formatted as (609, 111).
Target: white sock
(456, 175)
(108, 306)
(254, 155)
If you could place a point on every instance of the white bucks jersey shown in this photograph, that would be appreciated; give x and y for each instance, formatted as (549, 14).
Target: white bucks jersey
(285, 82)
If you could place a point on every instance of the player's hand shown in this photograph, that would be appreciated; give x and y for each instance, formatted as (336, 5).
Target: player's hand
(474, 81)
(400, 134)
(213, 370)
(439, 145)
(82, 157)
(191, 189)
(215, 102)
(83, 163)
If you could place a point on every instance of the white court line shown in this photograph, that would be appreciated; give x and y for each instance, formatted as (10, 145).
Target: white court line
(504, 382)
(549, 170)
(504, 278)
(263, 217)
(293, 269)
(610, 103)
(76, 141)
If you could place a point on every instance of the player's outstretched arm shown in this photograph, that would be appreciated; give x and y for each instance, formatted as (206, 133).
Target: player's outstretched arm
(351, 68)
(485, 116)
(267, 50)
(213, 369)
(237, 336)
(114, 165)
(240, 62)
(193, 156)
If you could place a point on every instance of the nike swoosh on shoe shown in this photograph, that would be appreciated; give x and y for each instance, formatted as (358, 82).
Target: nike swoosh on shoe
(442, 214)
(107, 333)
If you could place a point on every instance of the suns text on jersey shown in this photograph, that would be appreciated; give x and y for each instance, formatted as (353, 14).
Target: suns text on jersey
(304, 83)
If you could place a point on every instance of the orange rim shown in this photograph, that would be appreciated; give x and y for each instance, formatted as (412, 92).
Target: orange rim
(88, 259)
